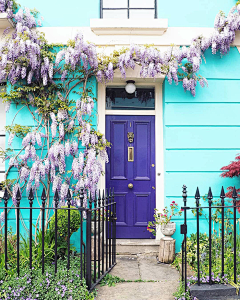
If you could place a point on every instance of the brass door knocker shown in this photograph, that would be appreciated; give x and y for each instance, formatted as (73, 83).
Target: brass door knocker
(130, 136)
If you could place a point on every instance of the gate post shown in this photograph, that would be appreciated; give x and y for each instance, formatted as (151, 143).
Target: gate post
(184, 195)
(88, 244)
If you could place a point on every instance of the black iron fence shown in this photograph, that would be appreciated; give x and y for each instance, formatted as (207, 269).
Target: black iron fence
(97, 237)
(221, 207)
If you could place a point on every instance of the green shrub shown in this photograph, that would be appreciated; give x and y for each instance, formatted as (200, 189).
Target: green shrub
(62, 222)
(62, 228)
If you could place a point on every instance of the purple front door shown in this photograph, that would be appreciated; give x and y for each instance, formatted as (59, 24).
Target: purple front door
(131, 172)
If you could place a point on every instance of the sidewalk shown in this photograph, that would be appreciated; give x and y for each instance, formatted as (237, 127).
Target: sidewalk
(141, 267)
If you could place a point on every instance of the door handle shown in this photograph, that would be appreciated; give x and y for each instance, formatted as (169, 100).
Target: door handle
(130, 186)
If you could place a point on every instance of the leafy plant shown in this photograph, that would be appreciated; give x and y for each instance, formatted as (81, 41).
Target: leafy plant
(62, 221)
(46, 286)
(62, 227)
(182, 295)
(111, 280)
(164, 217)
(24, 252)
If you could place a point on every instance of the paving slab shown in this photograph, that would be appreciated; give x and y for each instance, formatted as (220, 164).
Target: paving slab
(141, 267)
(138, 291)
(127, 267)
(150, 269)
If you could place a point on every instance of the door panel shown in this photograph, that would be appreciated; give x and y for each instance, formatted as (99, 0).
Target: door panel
(142, 133)
(142, 208)
(135, 206)
(118, 159)
(122, 208)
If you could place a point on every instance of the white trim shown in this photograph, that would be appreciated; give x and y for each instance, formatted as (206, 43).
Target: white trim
(174, 35)
(5, 22)
(158, 112)
(129, 26)
(131, 112)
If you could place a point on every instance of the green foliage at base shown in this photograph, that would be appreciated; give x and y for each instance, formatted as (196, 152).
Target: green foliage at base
(181, 295)
(62, 221)
(48, 286)
(24, 250)
(111, 280)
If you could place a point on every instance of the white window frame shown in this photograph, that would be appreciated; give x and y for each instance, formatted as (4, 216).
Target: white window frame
(128, 8)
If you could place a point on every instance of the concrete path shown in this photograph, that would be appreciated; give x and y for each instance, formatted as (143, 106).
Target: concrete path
(141, 267)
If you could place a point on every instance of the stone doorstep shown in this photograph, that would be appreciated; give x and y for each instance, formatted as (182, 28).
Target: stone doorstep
(208, 292)
(136, 246)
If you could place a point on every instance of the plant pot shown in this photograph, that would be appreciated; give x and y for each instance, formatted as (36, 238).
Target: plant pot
(168, 229)
(93, 227)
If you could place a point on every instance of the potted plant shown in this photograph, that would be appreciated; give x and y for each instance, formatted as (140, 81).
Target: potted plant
(163, 219)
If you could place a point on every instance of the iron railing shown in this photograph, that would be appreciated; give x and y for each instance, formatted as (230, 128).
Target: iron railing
(221, 207)
(97, 252)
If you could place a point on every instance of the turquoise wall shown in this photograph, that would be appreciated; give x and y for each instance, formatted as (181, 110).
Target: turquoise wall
(25, 118)
(201, 134)
(186, 13)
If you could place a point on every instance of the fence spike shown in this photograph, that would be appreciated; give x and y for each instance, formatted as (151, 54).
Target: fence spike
(56, 196)
(95, 199)
(90, 200)
(6, 195)
(43, 197)
(234, 194)
(81, 197)
(222, 195)
(210, 196)
(197, 195)
(69, 197)
(99, 198)
(30, 196)
(18, 196)
(103, 198)
(184, 191)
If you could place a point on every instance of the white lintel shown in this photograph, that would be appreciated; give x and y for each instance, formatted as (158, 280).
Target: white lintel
(129, 26)
(5, 22)
(134, 74)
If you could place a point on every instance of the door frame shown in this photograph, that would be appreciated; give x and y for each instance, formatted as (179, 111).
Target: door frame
(158, 113)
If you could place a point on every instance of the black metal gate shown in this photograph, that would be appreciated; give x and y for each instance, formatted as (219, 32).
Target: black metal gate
(221, 206)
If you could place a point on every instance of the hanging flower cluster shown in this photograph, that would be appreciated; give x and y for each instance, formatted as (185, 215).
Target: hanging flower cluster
(7, 6)
(62, 151)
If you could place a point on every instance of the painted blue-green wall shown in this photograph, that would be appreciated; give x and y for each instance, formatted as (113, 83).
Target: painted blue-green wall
(25, 118)
(201, 134)
(188, 13)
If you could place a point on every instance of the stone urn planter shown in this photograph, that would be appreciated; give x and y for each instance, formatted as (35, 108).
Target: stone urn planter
(167, 243)
(168, 229)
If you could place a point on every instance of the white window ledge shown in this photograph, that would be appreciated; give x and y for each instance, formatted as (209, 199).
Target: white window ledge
(5, 22)
(129, 26)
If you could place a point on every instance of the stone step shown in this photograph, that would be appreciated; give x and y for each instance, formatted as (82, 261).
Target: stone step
(226, 298)
(214, 292)
(137, 246)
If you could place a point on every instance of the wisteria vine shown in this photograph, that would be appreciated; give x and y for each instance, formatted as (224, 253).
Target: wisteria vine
(53, 82)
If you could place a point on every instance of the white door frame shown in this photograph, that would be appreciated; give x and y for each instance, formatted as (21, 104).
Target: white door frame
(158, 113)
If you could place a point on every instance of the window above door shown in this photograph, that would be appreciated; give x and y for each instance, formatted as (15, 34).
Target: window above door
(128, 9)
(118, 99)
